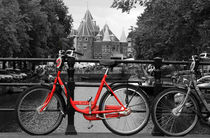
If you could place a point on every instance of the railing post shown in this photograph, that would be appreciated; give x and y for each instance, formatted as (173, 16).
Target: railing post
(157, 75)
(4, 65)
(25, 65)
(157, 87)
(19, 65)
(14, 65)
(33, 66)
(70, 130)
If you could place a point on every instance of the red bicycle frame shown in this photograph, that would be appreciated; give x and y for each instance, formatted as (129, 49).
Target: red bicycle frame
(108, 108)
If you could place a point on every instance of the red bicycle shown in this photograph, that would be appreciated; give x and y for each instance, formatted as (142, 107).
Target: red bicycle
(124, 108)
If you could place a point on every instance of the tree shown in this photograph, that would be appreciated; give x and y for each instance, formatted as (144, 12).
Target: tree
(60, 24)
(172, 29)
(33, 28)
(127, 5)
(12, 28)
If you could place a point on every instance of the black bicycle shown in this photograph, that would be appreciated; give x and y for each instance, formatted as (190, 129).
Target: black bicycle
(176, 111)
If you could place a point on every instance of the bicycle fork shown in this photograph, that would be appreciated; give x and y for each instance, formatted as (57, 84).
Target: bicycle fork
(177, 110)
(46, 101)
(43, 107)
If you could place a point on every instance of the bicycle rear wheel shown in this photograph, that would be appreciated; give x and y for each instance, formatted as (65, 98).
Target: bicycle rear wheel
(30, 119)
(169, 117)
(136, 101)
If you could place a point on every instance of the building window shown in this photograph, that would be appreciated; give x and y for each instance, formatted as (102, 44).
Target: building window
(84, 46)
(103, 48)
(113, 48)
(80, 39)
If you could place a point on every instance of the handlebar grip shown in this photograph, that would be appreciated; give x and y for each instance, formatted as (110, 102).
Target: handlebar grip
(78, 53)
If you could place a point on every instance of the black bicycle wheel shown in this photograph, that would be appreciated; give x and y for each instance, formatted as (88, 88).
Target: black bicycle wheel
(137, 103)
(171, 118)
(30, 119)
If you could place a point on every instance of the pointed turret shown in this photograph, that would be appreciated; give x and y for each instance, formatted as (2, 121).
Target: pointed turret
(88, 27)
(123, 37)
(106, 35)
(89, 19)
(84, 30)
(111, 35)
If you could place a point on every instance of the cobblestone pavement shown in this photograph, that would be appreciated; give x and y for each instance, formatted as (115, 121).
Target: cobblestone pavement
(93, 135)
(9, 125)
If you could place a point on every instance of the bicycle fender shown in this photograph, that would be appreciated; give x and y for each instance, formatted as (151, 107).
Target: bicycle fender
(138, 88)
(45, 85)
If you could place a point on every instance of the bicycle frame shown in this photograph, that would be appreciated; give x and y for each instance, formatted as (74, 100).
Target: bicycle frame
(108, 108)
(198, 94)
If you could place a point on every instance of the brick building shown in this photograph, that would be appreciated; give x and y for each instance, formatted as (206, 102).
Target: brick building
(96, 43)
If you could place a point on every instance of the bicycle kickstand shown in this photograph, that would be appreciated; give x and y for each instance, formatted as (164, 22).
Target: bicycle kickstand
(90, 125)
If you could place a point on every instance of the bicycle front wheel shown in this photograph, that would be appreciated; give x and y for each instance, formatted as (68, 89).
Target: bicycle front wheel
(29, 117)
(136, 102)
(170, 116)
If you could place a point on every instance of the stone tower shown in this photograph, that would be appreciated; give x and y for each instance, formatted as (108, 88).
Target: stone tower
(86, 35)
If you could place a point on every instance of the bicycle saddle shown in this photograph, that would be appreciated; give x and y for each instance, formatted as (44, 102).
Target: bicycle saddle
(107, 62)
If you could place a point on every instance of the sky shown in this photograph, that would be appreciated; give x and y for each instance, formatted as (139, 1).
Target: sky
(103, 14)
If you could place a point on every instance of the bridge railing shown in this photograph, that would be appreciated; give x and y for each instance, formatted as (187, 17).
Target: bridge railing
(30, 63)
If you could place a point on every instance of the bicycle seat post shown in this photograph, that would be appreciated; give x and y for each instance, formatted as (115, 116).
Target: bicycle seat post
(107, 70)
(71, 85)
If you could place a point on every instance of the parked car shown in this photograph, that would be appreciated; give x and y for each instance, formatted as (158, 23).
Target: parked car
(205, 69)
(4, 77)
(16, 73)
(205, 55)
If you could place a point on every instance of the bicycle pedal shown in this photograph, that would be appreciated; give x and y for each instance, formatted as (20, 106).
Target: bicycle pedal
(90, 125)
(89, 99)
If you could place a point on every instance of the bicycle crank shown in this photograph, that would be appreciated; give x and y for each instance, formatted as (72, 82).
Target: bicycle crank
(126, 112)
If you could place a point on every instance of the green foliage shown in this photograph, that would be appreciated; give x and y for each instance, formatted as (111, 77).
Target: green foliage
(172, 29)
(127, 5)
(33, 28)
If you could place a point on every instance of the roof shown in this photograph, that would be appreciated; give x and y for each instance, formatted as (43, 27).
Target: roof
(110, 33)
(84, 29)
(123, 37)
(88, 26)
(106, 35)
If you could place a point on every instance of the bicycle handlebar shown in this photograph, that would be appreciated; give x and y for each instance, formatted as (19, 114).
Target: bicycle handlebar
(78, 53)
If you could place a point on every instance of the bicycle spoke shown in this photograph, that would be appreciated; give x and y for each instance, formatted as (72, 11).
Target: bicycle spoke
(31, 120)
(167, 122)
(172, 125)
(138, 115)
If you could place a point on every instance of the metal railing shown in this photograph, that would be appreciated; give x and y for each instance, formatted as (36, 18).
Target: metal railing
(26, 63)
(23, 63)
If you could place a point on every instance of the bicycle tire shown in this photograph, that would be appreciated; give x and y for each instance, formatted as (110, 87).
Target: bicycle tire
(165, 117)
(28, 117)
(138, 105)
